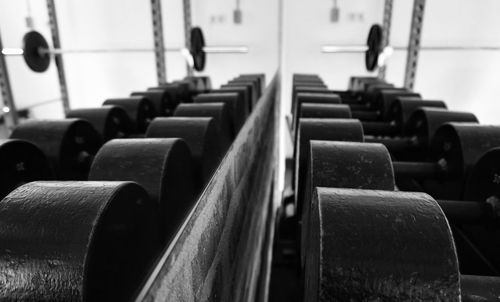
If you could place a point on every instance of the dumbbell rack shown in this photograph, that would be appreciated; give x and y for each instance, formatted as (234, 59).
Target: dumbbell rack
(229, 232)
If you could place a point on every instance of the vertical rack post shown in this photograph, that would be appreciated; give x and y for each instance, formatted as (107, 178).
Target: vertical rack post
(186, 9)
(161, 67)
(56, 43)
(417, 21)
(386, 32)
(10, 117)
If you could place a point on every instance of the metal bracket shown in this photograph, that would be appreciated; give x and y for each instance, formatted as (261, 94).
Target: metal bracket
(386, 32)
(11, 118)
(161, 67)
(417, 21)
(186, 9)
(56, 43)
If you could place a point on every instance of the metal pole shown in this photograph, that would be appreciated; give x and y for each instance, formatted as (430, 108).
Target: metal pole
(187, 29)
(161, 68)
(54, 30)
(386, 32)
(417, 21)
(10, 112)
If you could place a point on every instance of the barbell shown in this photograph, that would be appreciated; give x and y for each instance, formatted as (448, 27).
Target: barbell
(375, 51)
(37, 53)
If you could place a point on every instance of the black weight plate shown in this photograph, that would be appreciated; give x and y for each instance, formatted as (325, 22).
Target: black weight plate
(197, 45)
(69, 144)
(202, 138)
(76, 241)
(139, 109)
(374, 44)
(110, 121)
(162, 166)
(369, 245)
(33, 41)
(21, 162)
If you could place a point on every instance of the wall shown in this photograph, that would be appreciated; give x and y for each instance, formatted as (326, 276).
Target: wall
(113, 24)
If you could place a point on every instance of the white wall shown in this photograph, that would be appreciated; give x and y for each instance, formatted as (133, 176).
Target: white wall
(466, 80)
(92, 78)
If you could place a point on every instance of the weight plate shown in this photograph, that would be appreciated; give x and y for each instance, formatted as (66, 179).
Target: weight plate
(374, 44)
(202, 137)
(21, 162)
(110, 121)
(69, 144)
(197, 45)
(140, 110)
(162, 166)
(367, 245)
(76, 241)
(33, 41)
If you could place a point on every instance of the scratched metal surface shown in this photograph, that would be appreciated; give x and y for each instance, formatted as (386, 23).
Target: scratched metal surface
(217, 255)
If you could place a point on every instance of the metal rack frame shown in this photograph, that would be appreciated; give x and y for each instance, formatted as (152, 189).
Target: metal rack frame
(161, 65)
(386, 32)
(417, 21)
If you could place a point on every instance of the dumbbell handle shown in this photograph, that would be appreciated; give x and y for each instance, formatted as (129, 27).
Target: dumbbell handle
(466, 211)
(379, 128)
(417, 170)
(399, 144)
(369, 116)
(479, 288)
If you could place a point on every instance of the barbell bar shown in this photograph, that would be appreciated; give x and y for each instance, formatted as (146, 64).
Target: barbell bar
(54, 51)
(364, 48)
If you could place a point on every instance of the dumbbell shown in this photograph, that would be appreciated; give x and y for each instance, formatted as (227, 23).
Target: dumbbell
(201, 136)
(162, 166)
(455, 148)
(378, 110)
(160, 99)
(249, 85)
(236, 102)
(414, 130)
(21, 162)
(368, 166)
(420, 127)
(218, 111)
(260, 77)
(369, 244)
(110, 121)
(139, 109)
(76, 241)
(396, 120)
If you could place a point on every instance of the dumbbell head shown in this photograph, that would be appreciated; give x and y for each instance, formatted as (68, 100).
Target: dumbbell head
(386, 97)
(462, 144)
(320, 129)
(384, 245)
(110, 121)
(69, 144)
(237, 106)
(160, 99)
(201, 136)
(483, 181)
(21, 162)
(244, 92)
(318, 110)
(404, 106)
(218, 111)
(162, 166)
(342, 165)
(139, 109)
(425, 121)
(82, 241)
